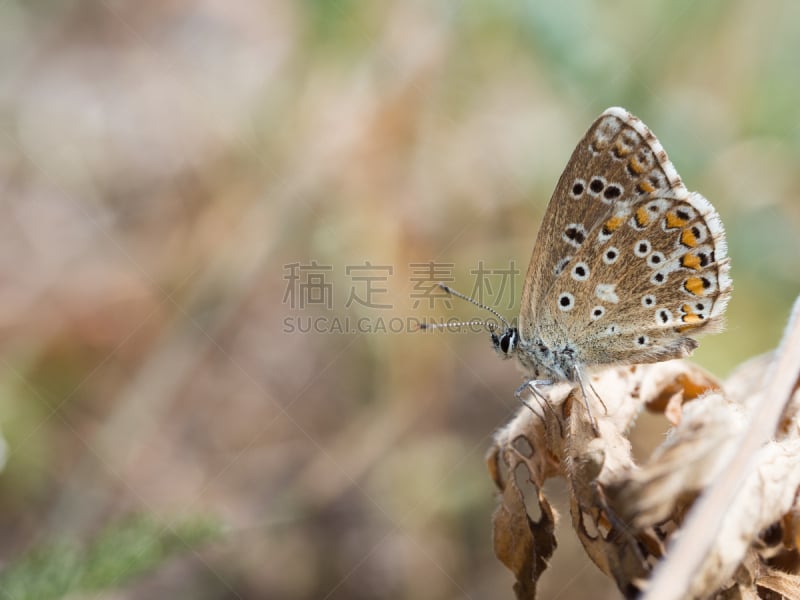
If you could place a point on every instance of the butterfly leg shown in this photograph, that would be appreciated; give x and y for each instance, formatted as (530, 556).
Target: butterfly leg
(532, 384)
(596, 395)
(579, 377)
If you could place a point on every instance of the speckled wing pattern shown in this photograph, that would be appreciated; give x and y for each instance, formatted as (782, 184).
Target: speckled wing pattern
(628, 265)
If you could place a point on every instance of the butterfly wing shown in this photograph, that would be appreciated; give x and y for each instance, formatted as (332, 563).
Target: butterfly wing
(628, 265)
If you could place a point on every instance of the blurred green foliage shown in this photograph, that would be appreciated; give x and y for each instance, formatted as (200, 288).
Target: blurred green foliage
(121, 552)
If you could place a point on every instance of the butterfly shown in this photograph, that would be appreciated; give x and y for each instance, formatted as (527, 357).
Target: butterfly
(628, 266)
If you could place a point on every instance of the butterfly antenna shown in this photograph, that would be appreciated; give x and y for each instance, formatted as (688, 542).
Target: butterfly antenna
(452, 292)
(427, 326)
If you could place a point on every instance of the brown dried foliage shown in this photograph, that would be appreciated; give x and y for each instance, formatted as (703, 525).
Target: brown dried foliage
(626, 514)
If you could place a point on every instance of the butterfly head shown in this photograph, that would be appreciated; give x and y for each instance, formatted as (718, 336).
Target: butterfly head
(505, 344)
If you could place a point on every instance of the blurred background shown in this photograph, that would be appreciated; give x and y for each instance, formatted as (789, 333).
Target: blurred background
(219, 219)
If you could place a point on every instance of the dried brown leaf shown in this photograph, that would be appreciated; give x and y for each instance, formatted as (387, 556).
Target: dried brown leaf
(625, 514)
(522, 544)
(756, 487)
(560, 441)
(675, 383)
(683, 465)
(785, 584)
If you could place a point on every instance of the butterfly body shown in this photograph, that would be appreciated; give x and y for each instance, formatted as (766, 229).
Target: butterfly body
(553, 360)
(628, 265)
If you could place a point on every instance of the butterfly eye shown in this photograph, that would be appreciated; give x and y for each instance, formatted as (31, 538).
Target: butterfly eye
(508, 340)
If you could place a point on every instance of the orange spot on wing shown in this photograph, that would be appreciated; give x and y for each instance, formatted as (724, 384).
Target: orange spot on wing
(688, 238)
(688, 326)
(691, 319)
(620, 149)
(612, 224)
(694, 285)
(646, 187)
(642, 218)
(690, 261)
(635, 167)
(674, 221)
